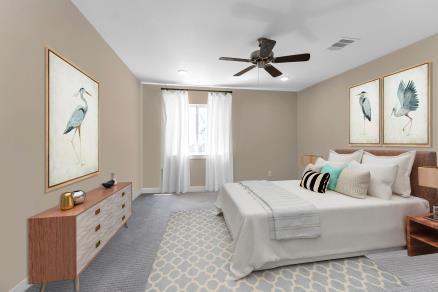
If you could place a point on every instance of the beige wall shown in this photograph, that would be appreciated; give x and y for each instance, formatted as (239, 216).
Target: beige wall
(323, 108)
(27, 28)
(264, 134)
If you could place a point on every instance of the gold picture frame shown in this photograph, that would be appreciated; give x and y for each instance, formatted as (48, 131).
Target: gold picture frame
(78, 76)
(379, 114)
(386, 108)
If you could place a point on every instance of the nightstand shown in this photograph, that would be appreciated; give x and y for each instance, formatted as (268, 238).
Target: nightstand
(421, 235)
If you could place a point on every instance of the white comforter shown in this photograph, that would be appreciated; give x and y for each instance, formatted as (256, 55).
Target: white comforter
(349, 227)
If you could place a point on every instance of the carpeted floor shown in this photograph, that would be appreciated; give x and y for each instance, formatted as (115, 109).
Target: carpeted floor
(126, 261)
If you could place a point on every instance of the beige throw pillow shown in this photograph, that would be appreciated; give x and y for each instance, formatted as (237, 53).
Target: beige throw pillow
(354, 182)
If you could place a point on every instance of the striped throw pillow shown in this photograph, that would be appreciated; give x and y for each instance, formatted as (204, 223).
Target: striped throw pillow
(315, 181)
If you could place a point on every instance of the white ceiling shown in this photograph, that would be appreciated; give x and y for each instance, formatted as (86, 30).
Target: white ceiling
(156, 38)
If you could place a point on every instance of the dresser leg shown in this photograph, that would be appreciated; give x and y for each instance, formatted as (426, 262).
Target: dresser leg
(77, 285)
(43, 287)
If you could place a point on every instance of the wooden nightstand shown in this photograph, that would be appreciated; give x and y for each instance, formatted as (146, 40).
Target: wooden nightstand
(421, 235)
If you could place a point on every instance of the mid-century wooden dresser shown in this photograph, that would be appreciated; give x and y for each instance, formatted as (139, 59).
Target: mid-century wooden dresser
(62, 243)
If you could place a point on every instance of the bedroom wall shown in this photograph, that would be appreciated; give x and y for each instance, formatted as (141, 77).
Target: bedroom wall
(27, 28)
(264, 135)
(323, 108)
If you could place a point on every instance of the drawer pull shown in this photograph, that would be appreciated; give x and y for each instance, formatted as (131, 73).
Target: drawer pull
(97, 228)
(123, 218)
(123, 194)
(97, 244)
(97, 212)
(123, 206)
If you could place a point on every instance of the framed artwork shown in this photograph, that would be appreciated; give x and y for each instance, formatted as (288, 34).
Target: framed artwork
(406, 107)
(365, 113)
(72, 123)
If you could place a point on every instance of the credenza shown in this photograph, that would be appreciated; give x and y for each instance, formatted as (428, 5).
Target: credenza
(61, 244)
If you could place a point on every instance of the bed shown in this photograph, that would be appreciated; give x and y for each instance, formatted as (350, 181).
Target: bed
(349, 226)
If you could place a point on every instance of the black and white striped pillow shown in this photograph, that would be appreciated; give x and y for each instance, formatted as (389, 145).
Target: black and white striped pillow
(315, 181)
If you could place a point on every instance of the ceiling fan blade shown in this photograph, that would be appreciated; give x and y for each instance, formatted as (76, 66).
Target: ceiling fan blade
(292, 58)
(244, 70)
(272, 70)
(234, 59)
(266, 46)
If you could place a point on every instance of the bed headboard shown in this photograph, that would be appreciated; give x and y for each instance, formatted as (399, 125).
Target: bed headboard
(422, 158)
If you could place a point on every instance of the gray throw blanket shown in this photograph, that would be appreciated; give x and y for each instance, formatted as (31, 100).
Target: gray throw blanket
(292, 217)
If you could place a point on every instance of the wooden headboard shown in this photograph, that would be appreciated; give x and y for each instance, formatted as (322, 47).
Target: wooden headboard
(422, 158)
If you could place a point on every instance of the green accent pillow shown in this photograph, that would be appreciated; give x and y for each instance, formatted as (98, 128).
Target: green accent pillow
(334, 172)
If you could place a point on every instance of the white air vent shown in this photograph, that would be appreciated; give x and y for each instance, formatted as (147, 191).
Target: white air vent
(342, 43)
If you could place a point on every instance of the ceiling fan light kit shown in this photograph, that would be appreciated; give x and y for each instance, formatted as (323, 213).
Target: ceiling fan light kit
(263, 57)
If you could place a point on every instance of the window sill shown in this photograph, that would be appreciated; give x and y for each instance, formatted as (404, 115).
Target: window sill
(197, 156)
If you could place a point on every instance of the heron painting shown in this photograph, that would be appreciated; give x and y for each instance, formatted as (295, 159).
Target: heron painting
(76, 119)
(72, 103)
(406, 107)
(365, 113)
(407, 102)
(365, 105)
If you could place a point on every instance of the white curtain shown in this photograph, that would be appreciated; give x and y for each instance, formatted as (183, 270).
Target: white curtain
(219, 163)
(175, 164)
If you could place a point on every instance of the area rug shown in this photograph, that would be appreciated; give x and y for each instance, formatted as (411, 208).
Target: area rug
(195, 252)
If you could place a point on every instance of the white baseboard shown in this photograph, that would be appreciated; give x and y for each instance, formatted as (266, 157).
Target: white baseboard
(192, 189)
(21, 287)
(150, 190)
(136, 194)
(196, 189)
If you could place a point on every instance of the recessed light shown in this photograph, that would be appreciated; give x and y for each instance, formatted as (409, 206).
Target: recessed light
(182, 71)
(284, 79)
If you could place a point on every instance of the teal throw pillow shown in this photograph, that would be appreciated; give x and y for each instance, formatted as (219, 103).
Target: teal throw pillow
(334, 175)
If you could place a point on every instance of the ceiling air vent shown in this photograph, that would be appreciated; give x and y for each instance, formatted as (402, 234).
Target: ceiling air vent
(342, 43)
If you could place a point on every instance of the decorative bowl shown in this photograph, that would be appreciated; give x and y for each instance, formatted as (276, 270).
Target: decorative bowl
(79, 197)
(108, 184)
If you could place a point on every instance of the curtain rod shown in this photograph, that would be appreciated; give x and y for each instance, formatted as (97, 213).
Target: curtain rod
(225, 91)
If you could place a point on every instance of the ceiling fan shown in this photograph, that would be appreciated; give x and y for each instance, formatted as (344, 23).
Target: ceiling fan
(263, 58)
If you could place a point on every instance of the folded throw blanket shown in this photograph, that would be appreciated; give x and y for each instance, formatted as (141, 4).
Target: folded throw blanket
(291, 216)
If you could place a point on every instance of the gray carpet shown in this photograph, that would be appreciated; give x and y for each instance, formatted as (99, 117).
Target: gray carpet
(420, 272)
(126, 261)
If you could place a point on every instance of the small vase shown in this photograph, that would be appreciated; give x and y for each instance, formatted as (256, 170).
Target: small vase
(66, 201)
(113, 177)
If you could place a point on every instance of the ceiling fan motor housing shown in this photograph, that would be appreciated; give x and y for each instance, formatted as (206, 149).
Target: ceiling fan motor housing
(256, 58)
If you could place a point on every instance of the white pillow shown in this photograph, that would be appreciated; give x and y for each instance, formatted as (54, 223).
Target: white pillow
(345, 158)
(313, 167)
(402, 184)
(320, 162)
(382, 178)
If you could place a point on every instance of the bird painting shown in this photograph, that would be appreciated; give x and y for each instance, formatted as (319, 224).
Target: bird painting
(76, 120)
(365, 105)
(408, 102)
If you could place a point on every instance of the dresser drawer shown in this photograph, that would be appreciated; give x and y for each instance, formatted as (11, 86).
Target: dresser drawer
(90, 232)
(120, 210)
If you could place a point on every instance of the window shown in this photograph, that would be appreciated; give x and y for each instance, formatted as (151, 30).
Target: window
(197, 129)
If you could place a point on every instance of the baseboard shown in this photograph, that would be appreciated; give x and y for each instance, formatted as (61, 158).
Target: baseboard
(196, 189)
(150, 190)
(21, 287)
(136, 194)
(192, 189)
